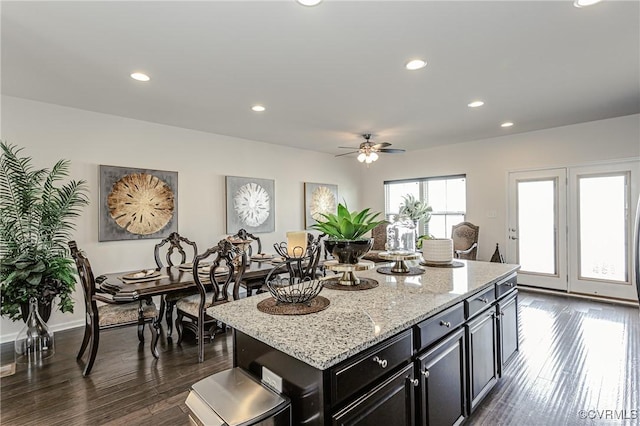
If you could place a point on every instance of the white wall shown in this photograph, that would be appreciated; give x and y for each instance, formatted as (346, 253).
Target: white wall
(49, 133)
(487, 163)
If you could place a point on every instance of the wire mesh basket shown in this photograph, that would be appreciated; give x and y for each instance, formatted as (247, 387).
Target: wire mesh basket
(294, 289)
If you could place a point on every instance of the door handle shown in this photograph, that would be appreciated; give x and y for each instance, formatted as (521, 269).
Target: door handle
(512, 238)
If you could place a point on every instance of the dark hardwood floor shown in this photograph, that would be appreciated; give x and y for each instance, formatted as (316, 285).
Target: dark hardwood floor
(574, 355)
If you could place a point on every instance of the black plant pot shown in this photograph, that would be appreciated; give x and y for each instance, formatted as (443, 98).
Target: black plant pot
(348, 251)
(44, 309)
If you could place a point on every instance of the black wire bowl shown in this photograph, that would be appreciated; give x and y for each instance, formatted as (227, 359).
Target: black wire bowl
(294, 290)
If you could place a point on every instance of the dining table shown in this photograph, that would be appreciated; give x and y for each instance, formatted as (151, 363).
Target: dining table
(146, 283)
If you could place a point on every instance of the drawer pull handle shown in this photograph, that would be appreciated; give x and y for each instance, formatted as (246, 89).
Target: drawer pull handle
(414, 382)
(425, 373)
(381, 362)
(483, 299)
(445, 323)
(510, 284)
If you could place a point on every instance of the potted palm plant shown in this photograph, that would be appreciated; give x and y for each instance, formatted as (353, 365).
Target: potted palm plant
(36, 221)
(346, 230)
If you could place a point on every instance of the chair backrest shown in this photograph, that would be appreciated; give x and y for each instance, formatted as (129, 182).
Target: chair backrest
(175, 242)
(86, 278)
(465, 236)
(246, 236)
(222, 254)
(379, 235)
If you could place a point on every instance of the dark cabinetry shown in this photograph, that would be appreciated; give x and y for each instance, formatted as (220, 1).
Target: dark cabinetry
(441, 372)
(507, 310)
(482, 344)
(390, 403)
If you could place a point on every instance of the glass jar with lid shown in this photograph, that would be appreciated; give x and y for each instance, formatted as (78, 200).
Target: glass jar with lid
(401, 234)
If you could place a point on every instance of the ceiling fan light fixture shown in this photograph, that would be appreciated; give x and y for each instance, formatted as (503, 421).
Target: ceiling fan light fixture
(373, 156)
(362, 157)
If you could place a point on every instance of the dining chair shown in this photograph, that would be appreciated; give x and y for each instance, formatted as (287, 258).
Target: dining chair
(176, 248)
(242, 234)
(223, 255)
(465, 240)
(379, 235)
(110, 314)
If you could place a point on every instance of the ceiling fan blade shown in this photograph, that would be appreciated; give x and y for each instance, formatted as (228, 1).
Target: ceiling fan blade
(347, 147)
(347, 153)
(391, 150)
(381, 145)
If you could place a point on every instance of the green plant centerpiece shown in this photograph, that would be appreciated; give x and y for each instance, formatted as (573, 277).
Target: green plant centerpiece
(346, 230)
(416, 210)
(36, 221)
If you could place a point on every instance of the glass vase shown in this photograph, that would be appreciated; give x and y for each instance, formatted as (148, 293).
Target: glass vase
(34, 342)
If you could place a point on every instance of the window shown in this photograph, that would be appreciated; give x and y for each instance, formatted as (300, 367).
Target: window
(445, 194)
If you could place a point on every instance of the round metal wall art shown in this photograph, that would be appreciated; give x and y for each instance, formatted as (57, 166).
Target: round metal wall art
(141, 203)
(251, 203)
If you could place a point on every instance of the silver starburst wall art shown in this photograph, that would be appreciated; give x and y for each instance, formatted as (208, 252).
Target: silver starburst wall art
(250, 204)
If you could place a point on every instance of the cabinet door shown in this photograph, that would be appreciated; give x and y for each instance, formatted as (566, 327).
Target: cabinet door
(390, 403)
(442, 374)
(483, 356)
(507, 330)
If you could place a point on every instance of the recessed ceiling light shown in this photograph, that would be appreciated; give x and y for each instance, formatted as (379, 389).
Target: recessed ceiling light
(506, 124)
(475, 104)
(257, 108)
(415, 64)
(585, 3)
(140, 76)
(309, 2)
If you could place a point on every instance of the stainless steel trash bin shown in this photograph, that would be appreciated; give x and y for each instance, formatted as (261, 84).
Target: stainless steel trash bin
(234, 398)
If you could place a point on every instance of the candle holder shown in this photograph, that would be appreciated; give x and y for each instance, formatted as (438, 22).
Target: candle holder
(287, 252)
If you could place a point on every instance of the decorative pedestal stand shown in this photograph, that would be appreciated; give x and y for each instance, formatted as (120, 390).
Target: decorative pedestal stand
(348, 279)
(400, 267)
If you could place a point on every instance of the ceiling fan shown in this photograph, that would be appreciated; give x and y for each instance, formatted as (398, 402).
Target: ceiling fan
(369, 150)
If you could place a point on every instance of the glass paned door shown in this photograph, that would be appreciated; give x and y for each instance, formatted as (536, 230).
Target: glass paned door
(602, 200)
(537, 227)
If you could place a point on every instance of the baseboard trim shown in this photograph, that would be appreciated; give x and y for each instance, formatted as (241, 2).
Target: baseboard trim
(578, 295)
(58, 327)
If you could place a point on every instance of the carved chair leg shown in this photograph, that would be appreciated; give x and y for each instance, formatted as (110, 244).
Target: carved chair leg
(141, 332)
(85, 339)
(155, 334)
(141, 322)
(163, 305)
(170, 307)
(95, 340)
(179, 327)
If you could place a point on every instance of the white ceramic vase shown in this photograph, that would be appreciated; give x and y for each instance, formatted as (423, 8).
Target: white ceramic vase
(438, 250)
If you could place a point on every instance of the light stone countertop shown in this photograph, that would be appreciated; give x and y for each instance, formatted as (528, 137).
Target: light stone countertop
(356, 320)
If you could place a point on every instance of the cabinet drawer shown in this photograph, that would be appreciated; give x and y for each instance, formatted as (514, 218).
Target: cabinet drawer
(479, 302)
(353, 375)
(506, 286)
(432, 329)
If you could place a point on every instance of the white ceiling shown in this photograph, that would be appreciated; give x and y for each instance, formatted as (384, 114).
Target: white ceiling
(329, 73)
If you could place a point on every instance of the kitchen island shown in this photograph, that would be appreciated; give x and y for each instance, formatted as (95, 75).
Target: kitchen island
(367, 347)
